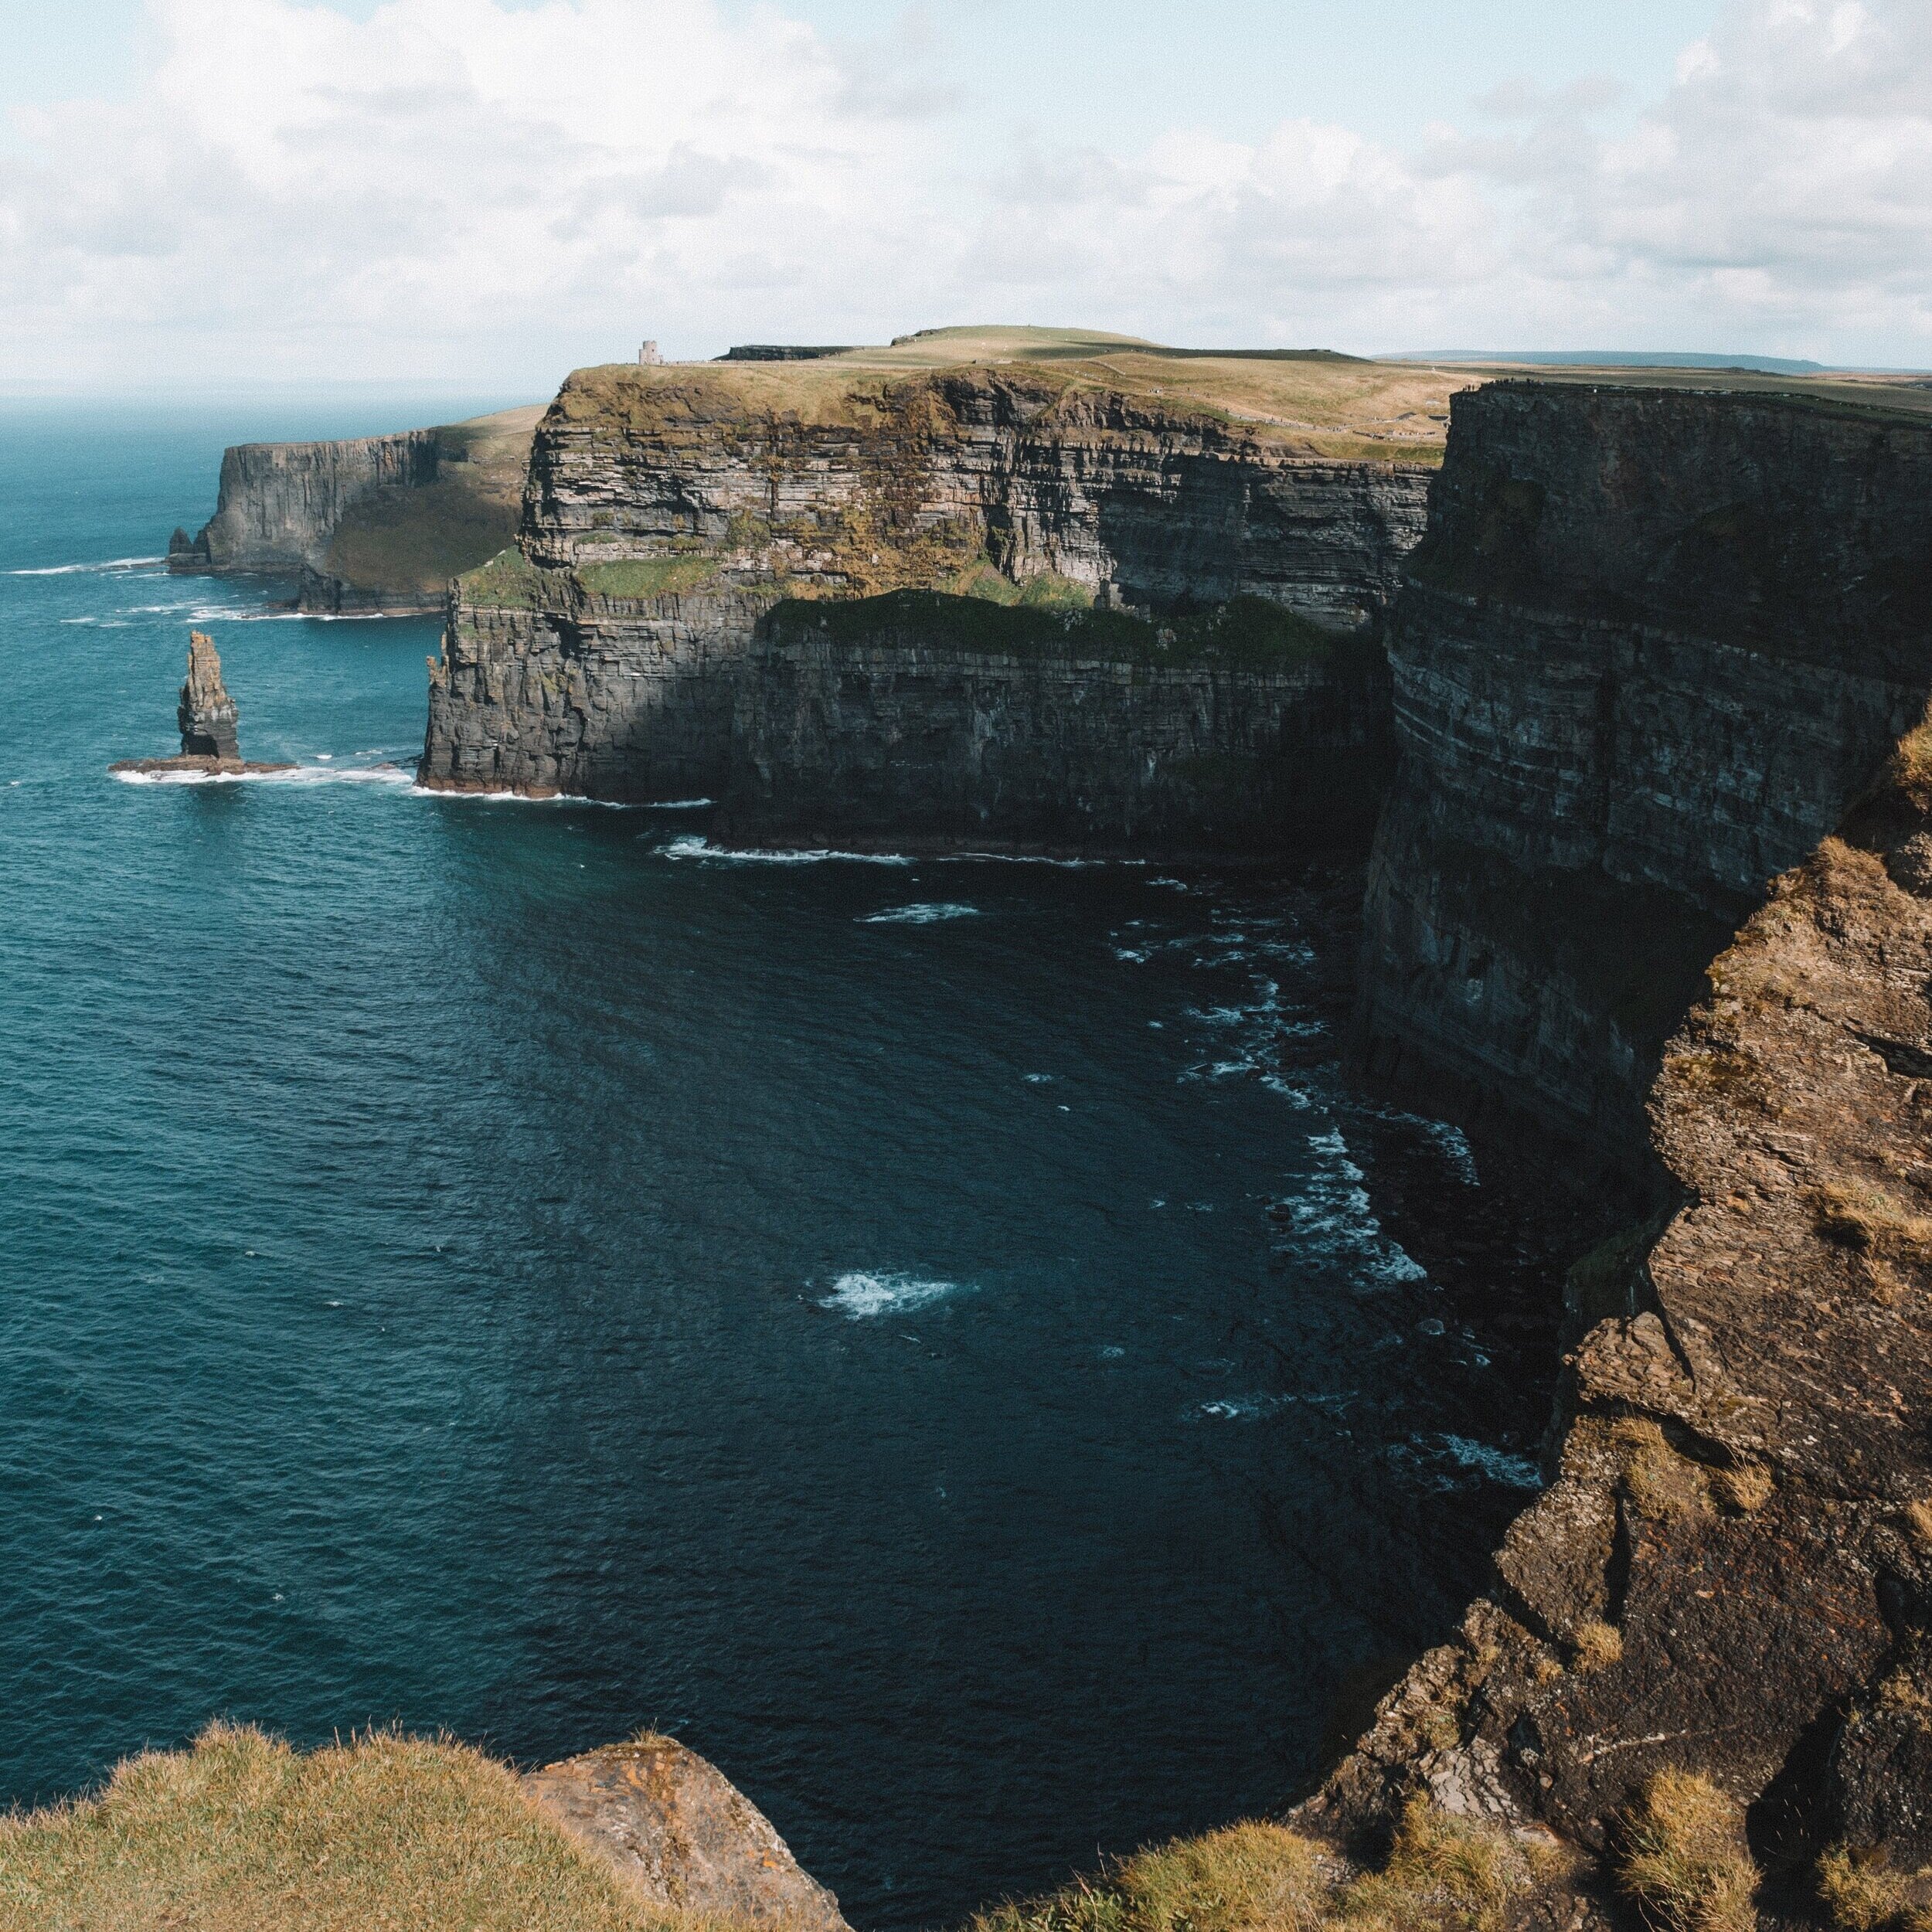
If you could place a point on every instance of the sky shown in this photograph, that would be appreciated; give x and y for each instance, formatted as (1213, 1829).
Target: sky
(489, 193)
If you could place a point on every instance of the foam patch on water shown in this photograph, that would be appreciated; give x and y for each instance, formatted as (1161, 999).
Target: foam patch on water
(1242, 1408)
(300, 775)
(89, 569)
(678, 804)
(1447, 1462)
(693, 847)
(920, 915)
(1331, 1215)
(862, 1296)
(1450, 1142)
(1514, 1472)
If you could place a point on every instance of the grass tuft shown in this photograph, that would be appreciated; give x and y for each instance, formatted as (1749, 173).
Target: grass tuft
(1860, 1216)
(1657, 1479)
(1861, 1893)
(1254, 1877)
(1683, 1858)
(1598, 1645)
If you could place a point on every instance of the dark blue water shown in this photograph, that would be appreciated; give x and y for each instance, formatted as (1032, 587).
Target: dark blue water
(498, 1266)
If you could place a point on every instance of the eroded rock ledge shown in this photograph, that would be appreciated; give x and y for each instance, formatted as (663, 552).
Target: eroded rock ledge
(1732, 1572)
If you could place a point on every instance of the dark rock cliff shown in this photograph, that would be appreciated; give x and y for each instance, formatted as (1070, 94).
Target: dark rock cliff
(627, 649)
(280, 502)
(1651, 647)
(368, 525)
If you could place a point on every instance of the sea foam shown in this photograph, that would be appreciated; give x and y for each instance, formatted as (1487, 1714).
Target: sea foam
(863, 1295)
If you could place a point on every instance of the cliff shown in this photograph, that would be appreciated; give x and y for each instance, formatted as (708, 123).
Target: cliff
(1066, 515)
(1651, 647)
(1730, 1577)
(368, 524)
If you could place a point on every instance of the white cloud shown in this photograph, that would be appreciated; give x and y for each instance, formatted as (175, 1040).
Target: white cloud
(456, 187)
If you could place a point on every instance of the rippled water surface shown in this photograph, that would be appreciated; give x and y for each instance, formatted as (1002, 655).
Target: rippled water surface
(918, 1332)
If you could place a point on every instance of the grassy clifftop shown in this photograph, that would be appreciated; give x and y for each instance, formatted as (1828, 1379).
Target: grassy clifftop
(241, 1834)
(1310, 402)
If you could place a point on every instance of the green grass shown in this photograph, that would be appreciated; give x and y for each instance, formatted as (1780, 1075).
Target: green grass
(509, 581)
(385, 1834)
(1248, 633)
(649, 576)
(414, 541)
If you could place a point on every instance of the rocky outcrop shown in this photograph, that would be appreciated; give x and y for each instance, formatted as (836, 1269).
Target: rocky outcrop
(680, 1834)
(206, 712)
(897, 484)
(1732, 1571)
(368, 525)
(632, 646)
(208, 717)
(1652, 646)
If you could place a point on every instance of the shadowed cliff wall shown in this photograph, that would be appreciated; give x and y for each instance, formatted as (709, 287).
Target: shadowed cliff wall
(1651, 647)
(622, 650)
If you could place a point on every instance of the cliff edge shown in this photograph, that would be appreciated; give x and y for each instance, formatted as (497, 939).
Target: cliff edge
(707, 595)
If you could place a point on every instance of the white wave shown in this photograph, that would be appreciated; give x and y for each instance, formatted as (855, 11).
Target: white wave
(523, 798)
(300, 775)
(1295, 1096)
(920, 915)
(678, 804)
(1330, 1213)
(77, 570)
(1450, 1141)
(1024, 859)
(1242, 1408)
(1132, 956)
(692, 847)
(1513, 1472)
(862, 1295)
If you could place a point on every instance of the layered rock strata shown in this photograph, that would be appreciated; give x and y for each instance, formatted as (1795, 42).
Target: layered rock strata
(206, 713)
(1652, 645)
(368, 525)
(280, 503)
(633, 647)
(1731, 1573)
(208, 718)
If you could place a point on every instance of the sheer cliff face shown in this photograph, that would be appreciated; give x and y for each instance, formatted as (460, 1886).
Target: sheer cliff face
(902, 480)
(1651, 647)
(373, 524)
(622, 653)
(280, 502)
(1732, 1573)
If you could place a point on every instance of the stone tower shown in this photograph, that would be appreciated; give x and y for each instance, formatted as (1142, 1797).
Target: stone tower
(648, 356)
(206, 713)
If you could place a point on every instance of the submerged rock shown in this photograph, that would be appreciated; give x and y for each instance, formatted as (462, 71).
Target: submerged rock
(206, 712)
(673, 1826)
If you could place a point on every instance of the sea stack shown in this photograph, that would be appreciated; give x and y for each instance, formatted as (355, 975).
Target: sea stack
(206, 716)
(206, 712)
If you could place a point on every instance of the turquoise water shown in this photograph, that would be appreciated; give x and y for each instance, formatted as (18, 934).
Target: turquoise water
(918, 1332)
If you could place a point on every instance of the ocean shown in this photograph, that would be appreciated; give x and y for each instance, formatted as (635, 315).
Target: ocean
(943, 1339)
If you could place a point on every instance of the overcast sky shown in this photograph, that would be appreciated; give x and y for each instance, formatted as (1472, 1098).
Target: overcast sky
(490, 191)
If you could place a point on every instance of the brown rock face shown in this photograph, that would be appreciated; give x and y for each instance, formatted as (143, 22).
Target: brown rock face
(206, 712)
(674, 1826)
